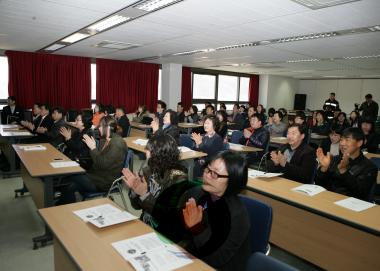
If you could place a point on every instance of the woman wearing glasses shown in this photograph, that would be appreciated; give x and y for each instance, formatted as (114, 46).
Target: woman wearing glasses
(216, 220)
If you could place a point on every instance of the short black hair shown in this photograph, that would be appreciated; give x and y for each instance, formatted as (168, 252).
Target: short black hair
(46, 105)
(368, 96)
(342, 113)
(214, 120)
(179, 103)
(121, 109)
(301, 128)
(260, 117)
(332, 93)
(237, 171)
(12, 98)
(173, 116)
(195, 109)
(301, 115)
(271, 112)
(280, 115)
(336, 129)
(162, 103)
(237, 105)
(59, 110)
(223, 114)
(86, 119)
(211, 106)
(355, 133)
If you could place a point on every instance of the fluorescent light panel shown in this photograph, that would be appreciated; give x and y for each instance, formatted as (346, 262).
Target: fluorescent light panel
(108, 23)
(54, 47)
(75, 37)
(151, 5)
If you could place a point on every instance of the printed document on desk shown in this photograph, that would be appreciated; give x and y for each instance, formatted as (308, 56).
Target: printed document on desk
(148, 252)
(32, 148)
(309, 189)
(61, 164)
(355, 204)
(184, 149)
(104, 215)
(141, 141)
(253, 173)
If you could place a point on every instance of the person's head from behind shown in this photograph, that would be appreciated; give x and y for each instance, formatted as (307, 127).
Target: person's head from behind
(332, 96)
(368, 98)
(354, 116)
(341, 117)
(221, 115)
(296, 134)
(193, 109)
(45, 109)
(351, 141)
(36, 109)
(57, 113)
(170, 118)
(83, 120)
(210, 110)
(367, 125)
(179, 107)
(300, 117)
(320, 117)
(107, 127)
(225, 175)
(335, 134)
(277, 117)
(142, 108)
(119, 112)
(256, 121)
(11, 101)
(162, 153)
(161, 107)
(210, 124)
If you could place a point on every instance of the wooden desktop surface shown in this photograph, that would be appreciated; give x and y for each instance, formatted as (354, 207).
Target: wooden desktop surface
(38, 162)
(139, 125)
(189, 125)
(90, 247)
(9, 130)
(183, 156)
(278, 140)
(243, 148)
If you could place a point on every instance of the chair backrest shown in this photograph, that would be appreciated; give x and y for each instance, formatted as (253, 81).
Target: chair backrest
(260, 262)
(185, 140)
(128, 160)
(236, 136)
(376, 161)
(28, 115)
(260, 216)
(129, 130)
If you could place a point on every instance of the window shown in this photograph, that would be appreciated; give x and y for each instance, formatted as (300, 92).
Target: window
(204, 86)
(159, 84)
(3, 77)
(244, 89)
(227, 88)
(93, 81)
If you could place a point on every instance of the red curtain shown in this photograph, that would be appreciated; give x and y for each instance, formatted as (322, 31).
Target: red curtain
(58, 80)
(253, 94)
(186, 98)
(127, 84)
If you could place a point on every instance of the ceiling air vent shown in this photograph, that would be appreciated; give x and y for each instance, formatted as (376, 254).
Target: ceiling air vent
(117, 45)
(318, 4)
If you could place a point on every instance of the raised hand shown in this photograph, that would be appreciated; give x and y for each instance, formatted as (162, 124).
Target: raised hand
(66, 133)
(324, 160)
(197, 138)
(90, 142)
(137, 184)
(192, 214)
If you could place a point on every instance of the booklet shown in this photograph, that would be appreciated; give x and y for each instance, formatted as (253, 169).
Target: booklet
(355, 204)
(104, 215)
(141, 141)
(61, 164)
(33, 148)
(309, 189)
(253, 173)
(149, 252)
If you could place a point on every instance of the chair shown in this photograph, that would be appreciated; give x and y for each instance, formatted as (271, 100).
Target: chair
(374, 194)
(116, 186)
(185, 140)
(260, 216)
(129, 130)
(236, 136)
(260, 262)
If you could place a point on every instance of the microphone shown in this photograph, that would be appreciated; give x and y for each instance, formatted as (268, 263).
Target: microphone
(262, 159)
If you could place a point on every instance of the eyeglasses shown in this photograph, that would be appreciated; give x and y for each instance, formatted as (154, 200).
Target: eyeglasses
(213, 174)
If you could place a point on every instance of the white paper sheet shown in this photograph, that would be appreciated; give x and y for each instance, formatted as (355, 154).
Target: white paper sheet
(20, 133)
(61, 164)
(354, 204)
(252, 173)
(184, 149)
(148, 252)
(141, 141)
(33, 148)
(236, 146)
(104, 215)
(279, 137)
(309, 189)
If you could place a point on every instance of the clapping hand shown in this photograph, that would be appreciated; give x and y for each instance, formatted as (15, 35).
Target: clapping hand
(137, 184)
(342, 166)
(90, 142)
(192, 214)
(65, 132)
(197, 138)
(247, 133)
(324, 160)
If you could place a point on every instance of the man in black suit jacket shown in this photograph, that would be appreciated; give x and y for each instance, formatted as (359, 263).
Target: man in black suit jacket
(297, 159)
(11, 113)
(45, 124)
(53, 135)
(122, 122)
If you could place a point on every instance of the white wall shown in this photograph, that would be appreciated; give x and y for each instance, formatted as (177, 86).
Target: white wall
(277, 91)
(171, 84)
(348, 91)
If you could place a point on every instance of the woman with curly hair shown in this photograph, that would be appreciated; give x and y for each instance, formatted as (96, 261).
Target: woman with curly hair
(162, 171)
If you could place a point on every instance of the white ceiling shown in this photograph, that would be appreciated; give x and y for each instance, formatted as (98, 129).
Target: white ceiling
(198, 24)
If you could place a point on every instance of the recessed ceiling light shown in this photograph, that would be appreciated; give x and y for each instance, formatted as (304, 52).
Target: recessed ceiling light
(75, 37)
(150, 5)
(54, 47)
(108, 23)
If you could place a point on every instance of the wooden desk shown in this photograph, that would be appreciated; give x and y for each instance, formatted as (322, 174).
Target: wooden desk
(38, 176)
(81, 246)
(278, 140)
(243, 148)
(189, 126)
(140, 130)
(316, 229)
(11, 133)
(186, 157)
(318, 137)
